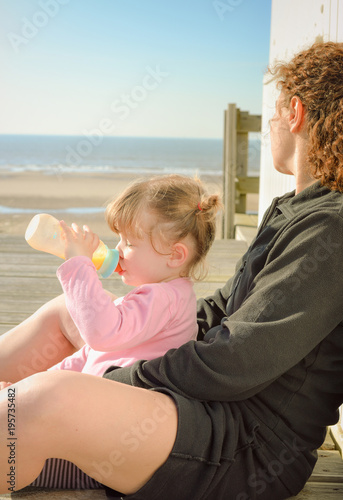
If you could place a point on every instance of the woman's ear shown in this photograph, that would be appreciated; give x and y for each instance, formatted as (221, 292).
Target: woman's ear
(178, 255)
(296, 114)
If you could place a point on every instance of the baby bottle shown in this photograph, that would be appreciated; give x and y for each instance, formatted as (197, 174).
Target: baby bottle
(44, 233)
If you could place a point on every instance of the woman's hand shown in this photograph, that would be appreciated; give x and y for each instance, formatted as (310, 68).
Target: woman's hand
(3, 385)
(78, 241)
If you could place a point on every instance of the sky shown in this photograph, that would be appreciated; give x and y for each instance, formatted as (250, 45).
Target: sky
(148, 68)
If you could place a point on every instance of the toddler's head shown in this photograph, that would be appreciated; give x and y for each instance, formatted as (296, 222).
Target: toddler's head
(169, 209)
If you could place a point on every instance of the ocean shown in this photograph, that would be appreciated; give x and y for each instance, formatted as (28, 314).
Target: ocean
(63, 155)
(55, 155)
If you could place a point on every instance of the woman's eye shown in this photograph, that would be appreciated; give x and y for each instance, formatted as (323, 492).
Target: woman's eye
(128, 244)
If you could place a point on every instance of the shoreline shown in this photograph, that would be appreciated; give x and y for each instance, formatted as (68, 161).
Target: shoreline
(87, 193)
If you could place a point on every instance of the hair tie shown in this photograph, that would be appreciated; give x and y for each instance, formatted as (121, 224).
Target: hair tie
(199, 207)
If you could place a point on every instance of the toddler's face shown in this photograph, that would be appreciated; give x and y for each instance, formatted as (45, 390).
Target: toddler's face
(139, 261)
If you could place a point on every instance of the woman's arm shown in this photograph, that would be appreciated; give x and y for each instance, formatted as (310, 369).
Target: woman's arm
(211, 310)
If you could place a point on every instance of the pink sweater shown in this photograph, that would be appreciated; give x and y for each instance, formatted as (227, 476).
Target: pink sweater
(144, 324)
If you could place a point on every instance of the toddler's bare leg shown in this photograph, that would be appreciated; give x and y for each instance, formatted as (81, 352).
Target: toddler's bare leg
(39, 342)
(117, 434)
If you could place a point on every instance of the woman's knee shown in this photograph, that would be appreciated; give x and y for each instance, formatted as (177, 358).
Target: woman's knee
(36, 402)
(41, 397)
(44, 406)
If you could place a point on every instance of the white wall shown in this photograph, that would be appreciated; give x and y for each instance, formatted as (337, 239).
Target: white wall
(295, 24)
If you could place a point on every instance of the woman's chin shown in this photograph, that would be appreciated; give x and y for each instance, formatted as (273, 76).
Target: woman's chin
(283, 170)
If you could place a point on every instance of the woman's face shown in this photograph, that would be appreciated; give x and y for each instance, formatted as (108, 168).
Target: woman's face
(282, 140)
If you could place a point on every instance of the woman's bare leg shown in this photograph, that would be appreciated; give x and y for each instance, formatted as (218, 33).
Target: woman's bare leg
(117, 434)
(39, 342)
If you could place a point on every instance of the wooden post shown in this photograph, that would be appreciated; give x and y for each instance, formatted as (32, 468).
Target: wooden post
(337, 432)
(229, 170)
(242, 160)
(236, 184)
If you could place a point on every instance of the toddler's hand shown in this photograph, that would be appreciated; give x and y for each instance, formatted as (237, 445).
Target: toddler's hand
(3, 385)
(78, 241)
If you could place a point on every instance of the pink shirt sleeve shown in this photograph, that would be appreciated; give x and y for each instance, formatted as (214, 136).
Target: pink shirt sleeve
(108, 326)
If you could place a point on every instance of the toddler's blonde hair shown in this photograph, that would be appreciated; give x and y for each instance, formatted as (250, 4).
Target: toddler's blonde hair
(181, 207)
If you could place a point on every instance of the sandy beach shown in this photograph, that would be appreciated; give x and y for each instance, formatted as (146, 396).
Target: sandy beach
(46, 193)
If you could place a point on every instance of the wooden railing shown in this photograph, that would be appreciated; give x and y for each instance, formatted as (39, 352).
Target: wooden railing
(236, 182)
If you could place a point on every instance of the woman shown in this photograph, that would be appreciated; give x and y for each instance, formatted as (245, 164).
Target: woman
(239, 413)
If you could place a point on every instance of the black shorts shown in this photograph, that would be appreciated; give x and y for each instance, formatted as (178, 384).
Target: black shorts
(220, 454)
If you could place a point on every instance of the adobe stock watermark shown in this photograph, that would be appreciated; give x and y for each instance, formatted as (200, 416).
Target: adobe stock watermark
(122, 108)
(30, 27)
(251, 148)
(40, 359)
(320, 252)
(263, 477)
(223, 7)
(131, 439)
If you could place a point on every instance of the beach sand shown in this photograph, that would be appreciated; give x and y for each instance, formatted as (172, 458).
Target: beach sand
(46, 193)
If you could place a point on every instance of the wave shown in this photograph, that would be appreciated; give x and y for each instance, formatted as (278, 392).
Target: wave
(72, 210)
(60, 155)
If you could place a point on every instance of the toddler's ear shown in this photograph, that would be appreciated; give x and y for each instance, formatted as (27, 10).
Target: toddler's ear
(178, 256)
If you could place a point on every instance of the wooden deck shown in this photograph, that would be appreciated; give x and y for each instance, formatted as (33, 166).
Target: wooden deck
(28, 280)
(28, 277)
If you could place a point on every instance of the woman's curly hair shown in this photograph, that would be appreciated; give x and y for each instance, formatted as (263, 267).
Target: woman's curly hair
(315, 75)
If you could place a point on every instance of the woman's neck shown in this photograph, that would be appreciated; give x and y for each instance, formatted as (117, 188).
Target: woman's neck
(301, 169)
(302, 183)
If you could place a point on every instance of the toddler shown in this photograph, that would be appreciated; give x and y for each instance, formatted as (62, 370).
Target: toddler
(166, 226)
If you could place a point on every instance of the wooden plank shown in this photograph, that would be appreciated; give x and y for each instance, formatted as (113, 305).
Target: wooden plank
(337, 433)
(242, 148)
(326, 481)
(245, 233)
(4, 327)
(43, 494)
(248, 184)
(329, 467)
(16, 286)
(249, 123)
(320, 491)
(206, 288)
(328, 442)
(312, 491)
(229, 170)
